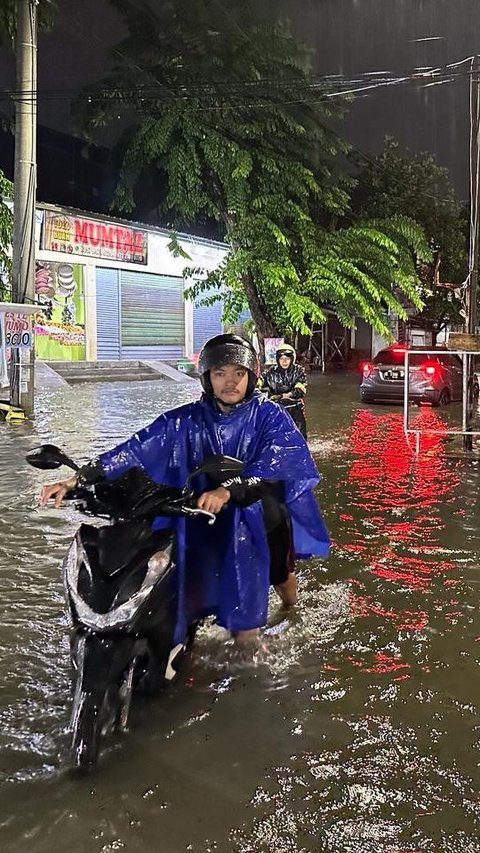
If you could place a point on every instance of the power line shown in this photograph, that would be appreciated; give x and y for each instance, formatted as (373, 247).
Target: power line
(194, 91)
(332, 86)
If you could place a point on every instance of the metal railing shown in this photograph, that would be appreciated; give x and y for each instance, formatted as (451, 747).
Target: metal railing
(466, 430)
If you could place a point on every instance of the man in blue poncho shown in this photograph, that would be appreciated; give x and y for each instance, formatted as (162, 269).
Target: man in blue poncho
(264, 517)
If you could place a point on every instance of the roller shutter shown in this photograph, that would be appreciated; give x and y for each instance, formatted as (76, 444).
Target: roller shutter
(207, 322)
(108, 314)
(152, 316)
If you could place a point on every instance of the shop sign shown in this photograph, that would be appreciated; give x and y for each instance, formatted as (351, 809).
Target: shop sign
(18, 330)
(90, 237)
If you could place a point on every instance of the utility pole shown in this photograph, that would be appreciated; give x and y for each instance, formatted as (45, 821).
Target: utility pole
(472, 286)
(25, 185)
(472, 289)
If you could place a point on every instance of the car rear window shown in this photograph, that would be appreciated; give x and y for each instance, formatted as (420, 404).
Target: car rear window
(397, 357)
(390, 356)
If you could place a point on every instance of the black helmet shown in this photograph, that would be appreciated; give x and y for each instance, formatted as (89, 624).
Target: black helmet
(286, 349)
(227, 349)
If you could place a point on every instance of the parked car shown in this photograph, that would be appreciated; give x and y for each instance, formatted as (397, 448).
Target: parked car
(435, 378)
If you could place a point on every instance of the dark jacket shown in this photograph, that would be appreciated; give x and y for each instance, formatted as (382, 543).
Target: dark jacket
(276, 381)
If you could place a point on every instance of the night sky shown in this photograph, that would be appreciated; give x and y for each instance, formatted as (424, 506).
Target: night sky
(352, 38)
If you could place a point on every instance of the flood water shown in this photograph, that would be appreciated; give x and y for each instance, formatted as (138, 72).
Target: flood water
(355, 729)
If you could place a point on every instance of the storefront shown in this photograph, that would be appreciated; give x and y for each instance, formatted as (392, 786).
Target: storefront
(111, 290)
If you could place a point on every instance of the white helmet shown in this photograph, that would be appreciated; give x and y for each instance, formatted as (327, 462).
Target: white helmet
(288, 350)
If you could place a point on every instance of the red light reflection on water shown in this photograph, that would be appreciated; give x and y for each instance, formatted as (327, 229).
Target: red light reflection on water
(382, 663)
(394, 524)
(391, 485)
(386, 462)
(411, 570)
(362, 605)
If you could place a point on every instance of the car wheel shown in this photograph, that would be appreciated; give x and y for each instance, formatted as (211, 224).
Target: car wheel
(444, 398)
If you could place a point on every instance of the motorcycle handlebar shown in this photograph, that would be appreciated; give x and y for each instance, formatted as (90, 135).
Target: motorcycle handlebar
(151, 506)
(134, 495)
(210, 515)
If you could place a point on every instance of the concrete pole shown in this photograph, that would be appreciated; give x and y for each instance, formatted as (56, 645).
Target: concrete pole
(25, 184)
(472, 287)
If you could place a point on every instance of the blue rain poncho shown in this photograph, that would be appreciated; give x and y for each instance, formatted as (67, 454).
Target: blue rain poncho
(224, 567)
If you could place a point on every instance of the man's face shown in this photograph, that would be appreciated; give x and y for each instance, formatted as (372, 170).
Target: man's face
(229, 383)
(284, 361)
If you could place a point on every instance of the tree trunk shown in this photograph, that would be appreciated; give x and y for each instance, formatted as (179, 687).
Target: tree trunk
(264, 327)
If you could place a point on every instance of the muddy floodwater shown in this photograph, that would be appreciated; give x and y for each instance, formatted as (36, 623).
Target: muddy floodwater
(355, 728)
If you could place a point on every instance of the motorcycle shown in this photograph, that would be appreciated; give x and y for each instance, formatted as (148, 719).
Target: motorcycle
(120, 579)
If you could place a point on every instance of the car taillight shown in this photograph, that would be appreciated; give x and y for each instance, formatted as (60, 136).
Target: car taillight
(429, 369)
(367, 369)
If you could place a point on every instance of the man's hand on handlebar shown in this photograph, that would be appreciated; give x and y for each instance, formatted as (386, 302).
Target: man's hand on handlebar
(57, 491)
(214, 501)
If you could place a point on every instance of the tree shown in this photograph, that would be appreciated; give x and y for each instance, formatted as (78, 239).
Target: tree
(6, 234)
(396, 183)
(230, 123)
(351, 270)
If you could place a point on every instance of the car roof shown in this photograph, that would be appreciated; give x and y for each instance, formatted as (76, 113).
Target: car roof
(395, 354)
(411, 346)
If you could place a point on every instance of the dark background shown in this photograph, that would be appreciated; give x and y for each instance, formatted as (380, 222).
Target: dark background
(351, 38)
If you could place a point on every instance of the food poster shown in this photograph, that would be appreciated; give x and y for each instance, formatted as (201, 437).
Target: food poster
(271, 345)
(60, 321)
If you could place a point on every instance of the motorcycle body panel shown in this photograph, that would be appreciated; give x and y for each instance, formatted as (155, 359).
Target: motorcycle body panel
(121, 581)
(123, 607)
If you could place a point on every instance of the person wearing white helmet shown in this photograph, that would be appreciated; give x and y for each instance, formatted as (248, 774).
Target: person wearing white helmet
(286, 383)
(265, 517)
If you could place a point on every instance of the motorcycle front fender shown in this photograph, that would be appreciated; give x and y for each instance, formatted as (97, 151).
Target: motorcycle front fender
(99, 661)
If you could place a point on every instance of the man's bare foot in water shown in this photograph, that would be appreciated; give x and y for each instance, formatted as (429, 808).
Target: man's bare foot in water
(288, 590)
(245, 638)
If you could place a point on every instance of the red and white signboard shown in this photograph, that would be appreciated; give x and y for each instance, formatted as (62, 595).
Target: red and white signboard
(78, 236)
(18, 330)
(15, 334)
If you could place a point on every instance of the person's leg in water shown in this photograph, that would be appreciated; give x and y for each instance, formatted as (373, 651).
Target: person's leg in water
(297, 414)
(282, 568)
(282, 574)
(244, 638)
(280, 545)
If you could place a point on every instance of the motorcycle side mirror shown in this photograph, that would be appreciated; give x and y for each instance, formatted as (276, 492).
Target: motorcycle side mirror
(49, 456)
(219, 467)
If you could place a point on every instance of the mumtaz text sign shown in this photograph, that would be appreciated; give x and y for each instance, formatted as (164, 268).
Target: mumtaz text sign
(78, 236)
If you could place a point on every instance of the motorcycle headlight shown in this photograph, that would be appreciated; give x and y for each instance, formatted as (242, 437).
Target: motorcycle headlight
(159, 562)
(119, 616)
